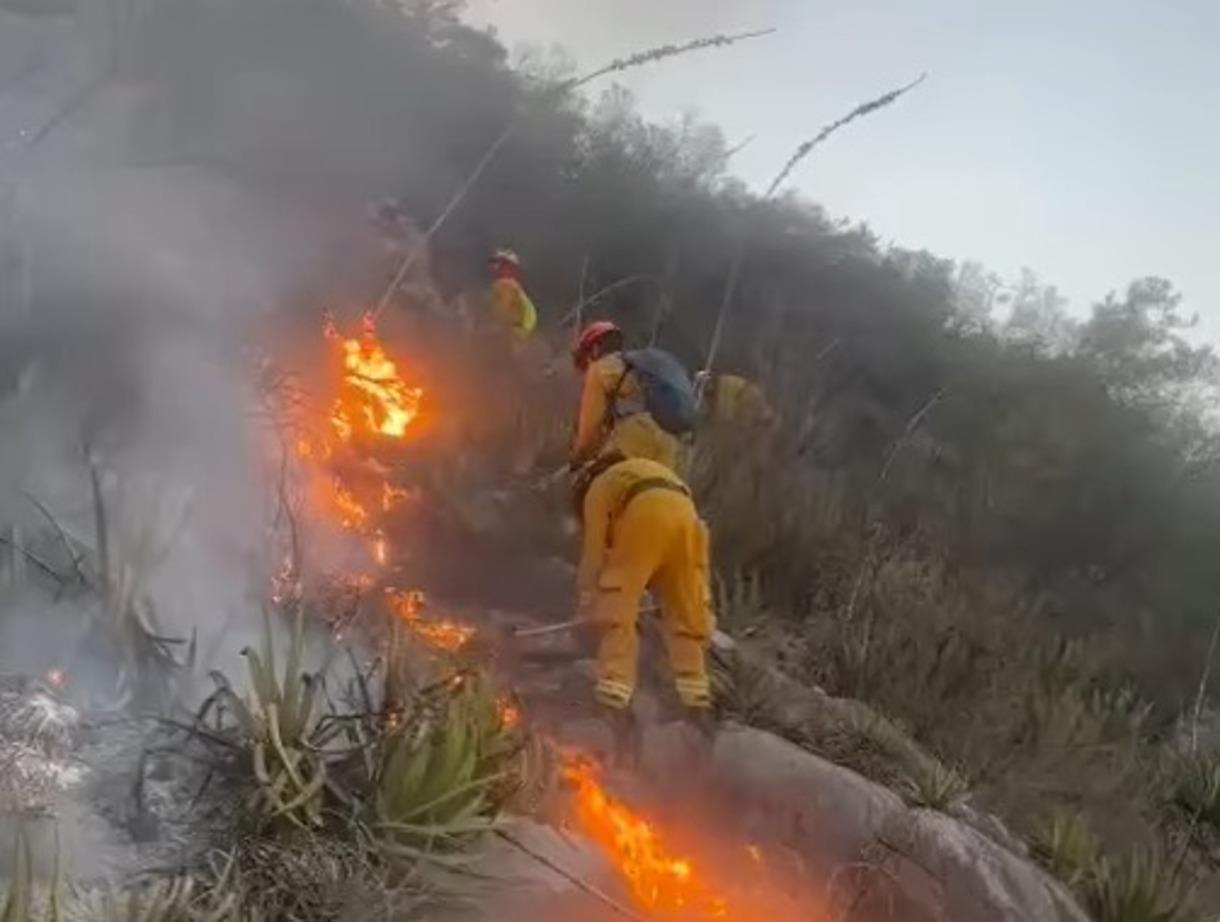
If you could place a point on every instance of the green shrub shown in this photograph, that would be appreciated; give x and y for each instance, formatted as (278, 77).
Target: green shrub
(1193, 786)
(935, 786)
(440, 781)
(1136, 887)
(1066, 847)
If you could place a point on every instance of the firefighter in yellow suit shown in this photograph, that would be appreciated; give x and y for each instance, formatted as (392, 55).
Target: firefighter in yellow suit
(613, 421)
(641, 531)
(510, 305)
(732, 399)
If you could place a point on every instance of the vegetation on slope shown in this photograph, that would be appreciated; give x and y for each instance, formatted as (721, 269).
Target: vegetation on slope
(995, 523)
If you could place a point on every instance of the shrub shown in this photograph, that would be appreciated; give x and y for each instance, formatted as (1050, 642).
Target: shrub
(1136, 887)
(1066, 847)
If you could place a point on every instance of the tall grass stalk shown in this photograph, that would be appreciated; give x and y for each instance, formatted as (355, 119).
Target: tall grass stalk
(660, 53)
(618, 65)
(1203, 679)
(866, 108)
(803, 151)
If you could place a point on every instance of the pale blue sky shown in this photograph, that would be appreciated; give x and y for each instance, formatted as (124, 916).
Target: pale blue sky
(1080, 138)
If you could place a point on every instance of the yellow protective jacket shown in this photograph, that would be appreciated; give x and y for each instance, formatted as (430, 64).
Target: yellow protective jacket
(598, 432)
(512, 307)
(738, 400)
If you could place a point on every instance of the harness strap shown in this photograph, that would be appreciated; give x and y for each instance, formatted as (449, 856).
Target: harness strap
(646, 485)
(617, 407)
(587, 474)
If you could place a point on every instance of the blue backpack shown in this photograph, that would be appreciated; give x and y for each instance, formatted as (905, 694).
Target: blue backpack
(669, 396)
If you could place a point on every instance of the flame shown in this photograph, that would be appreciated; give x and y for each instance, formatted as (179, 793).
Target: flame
(659, 881)
(392, 496)
(375, 398)
(56, 678)
(371, 399)
(663, 884)
(353, 515)
(508, 712)
(441, 633)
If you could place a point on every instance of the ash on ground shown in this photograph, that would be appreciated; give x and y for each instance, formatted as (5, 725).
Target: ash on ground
(102, 795)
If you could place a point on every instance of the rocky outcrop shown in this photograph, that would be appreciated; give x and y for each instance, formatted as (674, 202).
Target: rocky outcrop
(880, 859)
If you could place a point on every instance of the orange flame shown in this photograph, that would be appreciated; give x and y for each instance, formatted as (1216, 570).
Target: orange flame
(664, 884)
(352, 515)
(371, 399)
(392, 496)
(508, 712)
(441, 633)
(375, 398)
(658, 880)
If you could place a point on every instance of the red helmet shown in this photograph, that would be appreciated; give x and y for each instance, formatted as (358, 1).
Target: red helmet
(590, 338)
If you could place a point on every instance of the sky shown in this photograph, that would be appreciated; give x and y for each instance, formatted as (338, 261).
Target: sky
(1079, 138)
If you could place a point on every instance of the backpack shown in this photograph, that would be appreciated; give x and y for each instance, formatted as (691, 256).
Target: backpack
(669, 396)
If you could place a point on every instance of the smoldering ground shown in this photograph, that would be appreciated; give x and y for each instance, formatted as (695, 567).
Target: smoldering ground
(125, 377)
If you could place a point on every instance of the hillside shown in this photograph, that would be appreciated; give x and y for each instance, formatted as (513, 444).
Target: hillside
(990, 525)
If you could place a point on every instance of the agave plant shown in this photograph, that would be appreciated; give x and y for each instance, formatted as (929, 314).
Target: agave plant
(175, 899)
(275, 725)
(18, 901)
(1138, 886)
(930, 783)
(1066, 847)
(442, 774)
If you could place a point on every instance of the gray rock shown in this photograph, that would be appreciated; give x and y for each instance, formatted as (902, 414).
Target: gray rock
(972, 876)
(533, 873)
(829, 814)
(529, 853)
(882, 861)
(588, 734)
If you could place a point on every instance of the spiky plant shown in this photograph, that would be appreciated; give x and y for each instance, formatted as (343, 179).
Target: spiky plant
(1138, 886)
(275, 727)
(932, 784)
(172, 899)
(18, 901)
(442, 774)
(1192, 784)
(1066, 846)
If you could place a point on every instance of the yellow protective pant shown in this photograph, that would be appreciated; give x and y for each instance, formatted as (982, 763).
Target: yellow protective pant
(657, 542)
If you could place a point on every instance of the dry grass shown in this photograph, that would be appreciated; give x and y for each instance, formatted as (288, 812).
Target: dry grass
(295, 878)
(959, 695)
